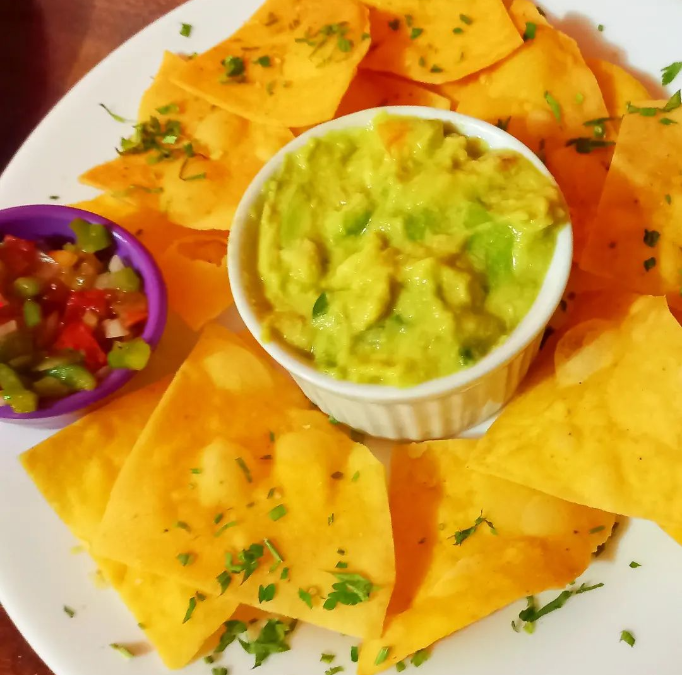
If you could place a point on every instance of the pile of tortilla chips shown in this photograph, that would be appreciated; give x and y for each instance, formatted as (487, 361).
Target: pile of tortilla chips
(222, 488)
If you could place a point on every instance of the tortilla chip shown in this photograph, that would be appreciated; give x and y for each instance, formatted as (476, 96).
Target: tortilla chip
(310, 50)
(597, 422)
(373, 90)
(541, 542)
(516, 88)
(581, 178)
(643, 192)
(200, 192)
(75, 470)
(196, 279)
(618, 87)
(415, 39)
(232, 440)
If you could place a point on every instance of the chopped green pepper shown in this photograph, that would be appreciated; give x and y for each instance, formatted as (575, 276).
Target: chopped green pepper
(33, 314)
(27, 287)
(50, 387)
(126, 280)
(74, 376)
(132, 355)
(20, 399)
(90, 237)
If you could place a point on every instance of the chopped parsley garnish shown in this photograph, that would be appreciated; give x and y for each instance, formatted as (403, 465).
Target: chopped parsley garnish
(645, 112)
(651, 238)
(224, 579)
(263, 61)
(186, 29)
(245, 469)
(150, 135)
(674, 102)
(232, 630)
(344, 44)
(122, 650)
(113, 115)
(529, 33)
(54, 197)
(579, 98)
(168, 109)
(218, 518)
(185, 559)
(627, 637)
(382, 655)
(394, 24)
(248, 561)
(272, 437)
(278, 512)
(330, 519)
(327, 658)
(333, 420)
(234, 66)
(226, 526)
(190, 609)
(635, 565)
(532, 613)
(355, 477)
(666, 121)
(196, 176)
(306, 597)
(365, 36)
(195, 471)
(333, 670)
(649, 263)
(274, 552)
(503, 124)
(219, 670)
(458, 31)
(584, 146)
(554, 106)
(266, 593)
(354, 654)
(462, 535)
(69, 612)
(669, 73)
(599, 528)
(182, 525)
(436, 69)
(271, 640)
(420, 657)
(285, 574)
(400, 666)
(350, 589)
(341, 565)
(415, 33)
(600, 27)
(208, 659)
(341, 551)
(465, 19)
(321, 306)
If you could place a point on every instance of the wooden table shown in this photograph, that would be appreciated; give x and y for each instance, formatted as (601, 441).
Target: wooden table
(46, 47)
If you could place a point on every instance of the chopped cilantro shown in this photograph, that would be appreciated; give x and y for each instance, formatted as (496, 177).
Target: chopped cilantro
(278, 512)
(330, 519)
(503, 124)
(341, 565)
(333, 420)
(232, 630)
(382, 655)
(224, 579)
(350, 589)
(186, 29)
(168, 109)
(422, 61)
(272, 437)
(218, 518)
(195, 471)
(273, 551)
(649, 263)
(219, 670)
(69, 612)
(627, 637)
(113, 115)
(208, 659)
(122, 650)
(461, 535)
(529, 33)
(645, 112)
(54, 197)
(458, 31)
(531, 614)
(355, 477)
(190, 609)
(465, 19)
(554, 106)
(344, 44)
(341, 551)
(271, 640)
(321, 306)
(394, 24)
(365, 36)
(354, 654)
(245, 469)
(263, 61)
(248, 561)
(674, 102)
(266, 593)
(409, 20)
(599, 528)
(333, 670)
(669, 73)
(285, 574)
(234, 66)
(327, 658)
(419, 657)
(584, 145)
(667, 121)
(668, 199)
(400, 666)
(306, 597)
(415, 33)
(600, 27)
(182, 525)
(226, 526)
(651, 238)
(436, 69)
(185, 559)
(635, 565)
(579, 98)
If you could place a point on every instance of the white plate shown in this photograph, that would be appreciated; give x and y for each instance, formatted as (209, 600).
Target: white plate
(38, 572)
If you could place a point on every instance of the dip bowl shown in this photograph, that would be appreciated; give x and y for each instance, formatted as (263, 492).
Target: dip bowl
(439, 408)
(50, 220)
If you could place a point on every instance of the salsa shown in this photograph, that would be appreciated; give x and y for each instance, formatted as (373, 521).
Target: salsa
(69, 313)
(401, 252)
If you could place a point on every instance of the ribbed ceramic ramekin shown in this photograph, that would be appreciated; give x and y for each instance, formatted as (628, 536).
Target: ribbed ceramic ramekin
(438, 408)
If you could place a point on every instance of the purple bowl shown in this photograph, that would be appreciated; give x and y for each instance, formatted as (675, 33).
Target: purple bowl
(46, 220)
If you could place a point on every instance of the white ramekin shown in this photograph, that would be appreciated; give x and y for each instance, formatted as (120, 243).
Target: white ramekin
(435, 409)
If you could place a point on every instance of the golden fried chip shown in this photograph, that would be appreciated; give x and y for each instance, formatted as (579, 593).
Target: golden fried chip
(618, 87)
(538, 542)
(289, 65)
(234, 451)
(373, 90)
(635, 238)
(544, 89)
(192, 161)
(75, 470)
(440, 40)
(597, 421)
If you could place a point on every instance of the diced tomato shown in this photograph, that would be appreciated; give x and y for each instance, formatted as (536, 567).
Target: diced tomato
(18, 255)
(76, 335)
(131, 308)
(81, 302)
(55, 295)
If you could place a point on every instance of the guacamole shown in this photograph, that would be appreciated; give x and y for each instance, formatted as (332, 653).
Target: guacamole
(401, 252)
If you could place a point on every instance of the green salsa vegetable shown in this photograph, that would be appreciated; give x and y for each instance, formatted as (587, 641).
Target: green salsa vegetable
(401, 252)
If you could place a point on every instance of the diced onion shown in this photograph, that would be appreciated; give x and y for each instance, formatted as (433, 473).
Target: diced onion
(113, 328)
(90, 319)
(103, 281)
(8, 327)
(116, 264)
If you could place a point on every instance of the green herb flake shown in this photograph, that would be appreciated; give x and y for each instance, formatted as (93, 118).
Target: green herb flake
(355, 477)
(627, 637)
(327, 658)
(306, 597)
(333, 670)
(354, 654)
(350, 589)
(666, 121)
(229, 635)
(224, 579)
(69, 612)
(344, 44)
(273, 551)
(503, 124)
(341, 551)
(422, 61)
(554, 106)
(285, 574)
(278, 512)
(531, 614)
(321, 306)
(599, 528)
(394, 24)
(113, 115)
(54, 197)
(234, 66)
(263, 61)
(436, 69)
(219, 670)
(674, 102)
(415, 33)
(182, 525)
(634, 565)
(333, 420)
(382, 655)
(226, 526)
(266, 593)
(649, 263)
(420, 657)
(462, 535)
(186, 29)
(600, 27)
(465, 19)
(168, 109)
(196, 176)
(248, 561)
(217, 519)
(579, 98)
(365, 36)
(669, 73)
(195, 471)
(529, 33)
(245, 469)
(651, 238)
(458, 31)
(330, 519)
(122, 650)
(341, 565)
(271, 640)
(585, 145)
(208, 659)
(185, 559)
(400, 666)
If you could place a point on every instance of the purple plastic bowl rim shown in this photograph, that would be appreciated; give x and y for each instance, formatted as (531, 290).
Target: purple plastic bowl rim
(154, 287)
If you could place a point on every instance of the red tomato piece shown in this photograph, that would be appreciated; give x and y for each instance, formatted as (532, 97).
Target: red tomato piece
(19, 255)
(76, 335)
(80, 302)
